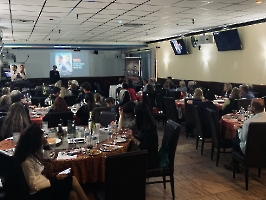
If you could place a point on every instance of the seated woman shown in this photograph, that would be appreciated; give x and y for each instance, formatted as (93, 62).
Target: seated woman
(15, 121)
(182, 87)
(127, 117)
(230, 104)
(227, 90)
(5, 102)
(198, 94)
(98, 99)
(146, 137)
(58, 106)
(5, 90)
(84, 111)
(29, 152)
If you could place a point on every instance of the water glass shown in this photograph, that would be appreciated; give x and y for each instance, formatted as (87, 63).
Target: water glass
(16, 136)
(45, 125)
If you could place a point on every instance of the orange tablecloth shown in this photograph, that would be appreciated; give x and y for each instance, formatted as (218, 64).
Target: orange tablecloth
(227, 126)
(85, 168)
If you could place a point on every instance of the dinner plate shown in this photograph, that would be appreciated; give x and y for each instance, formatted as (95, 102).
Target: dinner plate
(93, 152)
(54, 140)
(76, 140)
(120, 140)
(108, 148)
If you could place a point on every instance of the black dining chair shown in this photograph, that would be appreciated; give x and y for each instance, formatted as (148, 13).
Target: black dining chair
(171, 137)
(190, 118)
(175, 94)
(170, 109)
(125, 176)
(255, 153)
(70, 100)
(106, 117)
(243, 103)
(97, 111)
(217, 141)
(14, 183)
(54, 118)
(200, 128)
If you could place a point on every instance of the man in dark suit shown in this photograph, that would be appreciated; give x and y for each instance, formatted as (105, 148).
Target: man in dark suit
(54, 75)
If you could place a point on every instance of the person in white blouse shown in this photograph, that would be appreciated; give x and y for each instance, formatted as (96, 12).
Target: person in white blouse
(31, 150)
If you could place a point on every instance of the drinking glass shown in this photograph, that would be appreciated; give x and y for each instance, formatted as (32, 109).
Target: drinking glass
(16, 136)
(44, 125)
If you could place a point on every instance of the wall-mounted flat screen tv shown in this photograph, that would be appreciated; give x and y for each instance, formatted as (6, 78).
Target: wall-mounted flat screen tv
(227, 40)
(179, 47)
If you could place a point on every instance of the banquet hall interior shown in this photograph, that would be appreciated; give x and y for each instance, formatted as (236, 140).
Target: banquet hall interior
(90, 64)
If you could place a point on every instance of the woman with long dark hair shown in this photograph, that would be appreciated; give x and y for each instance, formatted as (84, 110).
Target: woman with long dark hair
(146, 137)
(58, 106)
(15, 121)
(84, 111)
(29, 152)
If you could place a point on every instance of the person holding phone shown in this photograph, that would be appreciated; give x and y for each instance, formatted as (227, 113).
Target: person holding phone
(29, 152)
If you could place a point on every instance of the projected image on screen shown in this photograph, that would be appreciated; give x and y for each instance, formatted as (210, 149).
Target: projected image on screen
(70, 64)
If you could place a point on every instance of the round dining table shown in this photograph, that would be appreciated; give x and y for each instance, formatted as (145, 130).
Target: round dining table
(227, 125)
(86, 168)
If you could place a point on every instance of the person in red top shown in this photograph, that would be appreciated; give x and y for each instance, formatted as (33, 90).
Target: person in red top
(131, 91)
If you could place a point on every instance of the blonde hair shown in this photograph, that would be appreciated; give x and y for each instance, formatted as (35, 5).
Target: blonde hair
(98, 98)
(64, 92)
(58, 84)
(198, 94)
(5, 100)
(182, 84)
(5, 90)
(15, 121)
(228, 86)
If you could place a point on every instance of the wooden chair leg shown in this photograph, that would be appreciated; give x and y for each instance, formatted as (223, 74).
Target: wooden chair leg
(197, 142)
(202, 146)
(246, 177)
(164, 182)
(234, 168)
(212, 152)
(218, 156)
(172, 181)
(259, 171)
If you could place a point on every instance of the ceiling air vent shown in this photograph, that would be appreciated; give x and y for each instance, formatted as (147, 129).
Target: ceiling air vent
(132, 25)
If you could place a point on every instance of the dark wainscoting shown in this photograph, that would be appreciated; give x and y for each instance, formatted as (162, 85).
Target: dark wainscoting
(217, 87)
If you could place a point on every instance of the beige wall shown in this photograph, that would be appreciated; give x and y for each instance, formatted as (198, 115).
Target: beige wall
(244, 66)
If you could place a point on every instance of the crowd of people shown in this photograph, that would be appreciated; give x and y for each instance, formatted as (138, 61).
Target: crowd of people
(131, 114)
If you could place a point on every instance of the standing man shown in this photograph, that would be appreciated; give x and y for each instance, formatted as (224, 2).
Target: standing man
(54, 75)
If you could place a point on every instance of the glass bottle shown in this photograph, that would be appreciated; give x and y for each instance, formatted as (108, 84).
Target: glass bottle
(90, 123)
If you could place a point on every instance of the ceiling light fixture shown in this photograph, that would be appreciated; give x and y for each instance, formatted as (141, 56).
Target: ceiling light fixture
(259, 1)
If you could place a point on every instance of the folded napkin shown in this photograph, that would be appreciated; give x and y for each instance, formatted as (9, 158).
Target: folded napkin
(64, 156)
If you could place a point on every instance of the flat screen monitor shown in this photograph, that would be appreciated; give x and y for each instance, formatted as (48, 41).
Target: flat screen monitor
(227, 40)
(179, 47)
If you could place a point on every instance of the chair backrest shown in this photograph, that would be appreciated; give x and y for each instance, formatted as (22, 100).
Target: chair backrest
(35, 101)
(214, 127)
(198, 120)
(171, 136)
(190, 118)
(243, 103)
(151, 98)
(170, 108)
(97, 111)
(255, 154)
(106, 117)
(70, 100)
(175, 94)
(146, 100)
(125, 176)
(12, 177)
(54, 118)
(159, 102)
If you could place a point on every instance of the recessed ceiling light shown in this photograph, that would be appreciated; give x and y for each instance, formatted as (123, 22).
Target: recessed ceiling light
(120, 21)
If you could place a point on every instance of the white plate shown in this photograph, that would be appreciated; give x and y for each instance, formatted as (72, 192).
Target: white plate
(120, 140)
(76, 140)
(57, 141)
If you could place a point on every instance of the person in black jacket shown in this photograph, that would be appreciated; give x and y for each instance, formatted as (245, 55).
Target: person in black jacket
(84, 111)
(54, 75)
(146, 138)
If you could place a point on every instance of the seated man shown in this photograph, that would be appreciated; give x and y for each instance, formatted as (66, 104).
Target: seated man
(85, 88)
(245, 93)
(111, 104)
(16, 96)
(239, 142)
